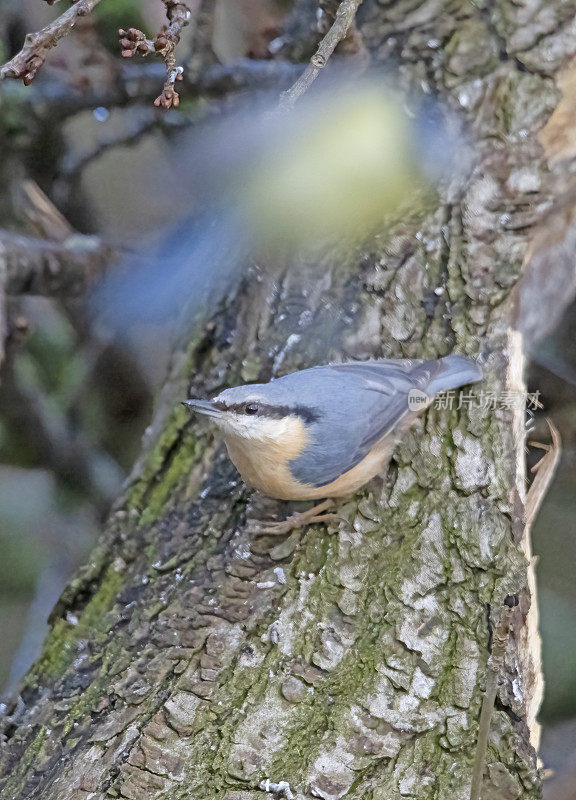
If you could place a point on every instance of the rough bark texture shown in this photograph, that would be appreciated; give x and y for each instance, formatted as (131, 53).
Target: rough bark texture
(190, 661)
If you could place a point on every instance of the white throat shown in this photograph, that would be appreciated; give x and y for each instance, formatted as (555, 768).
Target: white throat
(256, 428)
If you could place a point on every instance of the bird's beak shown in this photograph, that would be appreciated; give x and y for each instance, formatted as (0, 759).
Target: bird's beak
(205, 407)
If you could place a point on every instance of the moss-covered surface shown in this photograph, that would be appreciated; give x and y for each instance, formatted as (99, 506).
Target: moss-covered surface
(61, 643)
(193, 661)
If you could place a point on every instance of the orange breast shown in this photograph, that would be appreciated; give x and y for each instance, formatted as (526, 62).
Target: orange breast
(264, 465)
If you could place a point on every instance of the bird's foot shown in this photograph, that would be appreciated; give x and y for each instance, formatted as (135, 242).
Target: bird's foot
(295, 521)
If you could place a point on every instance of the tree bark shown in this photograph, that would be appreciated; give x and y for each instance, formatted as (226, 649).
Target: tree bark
(188, 660)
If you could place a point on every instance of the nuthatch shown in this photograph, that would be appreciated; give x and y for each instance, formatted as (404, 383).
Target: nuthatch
(326, 431)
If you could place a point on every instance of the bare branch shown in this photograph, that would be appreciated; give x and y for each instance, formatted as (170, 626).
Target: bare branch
(149, 123)
(336, 33)
(28, 61)
(133, 41)
(75, 163)
(69, 453)
(37, 266)
(137, 82)
(353, 43)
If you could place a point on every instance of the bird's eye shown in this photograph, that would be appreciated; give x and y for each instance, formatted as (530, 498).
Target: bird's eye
(251, 408)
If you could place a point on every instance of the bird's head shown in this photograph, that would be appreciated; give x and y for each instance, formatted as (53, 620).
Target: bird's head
(260, 412)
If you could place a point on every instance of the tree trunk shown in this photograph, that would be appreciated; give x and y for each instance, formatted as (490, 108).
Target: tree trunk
(189, 660)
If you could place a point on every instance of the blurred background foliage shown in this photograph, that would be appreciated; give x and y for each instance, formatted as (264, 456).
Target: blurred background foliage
(74, 404)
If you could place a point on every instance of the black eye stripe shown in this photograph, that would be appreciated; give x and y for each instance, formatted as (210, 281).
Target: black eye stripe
(272, 412)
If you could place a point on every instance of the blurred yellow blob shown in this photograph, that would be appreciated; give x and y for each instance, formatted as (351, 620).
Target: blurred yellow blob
(341, 166)
(268, 187)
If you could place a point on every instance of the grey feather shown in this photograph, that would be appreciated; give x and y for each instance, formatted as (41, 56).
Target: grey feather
(363, 402)
(356, 404)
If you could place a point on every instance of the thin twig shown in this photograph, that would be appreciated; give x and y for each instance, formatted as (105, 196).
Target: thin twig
(133, 41)
(353, 43)
(494, 668)
(544, 472)
(338, 30)
(28, 61)
(74, 164)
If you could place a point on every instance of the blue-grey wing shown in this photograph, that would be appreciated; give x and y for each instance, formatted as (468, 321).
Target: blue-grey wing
(361, 403)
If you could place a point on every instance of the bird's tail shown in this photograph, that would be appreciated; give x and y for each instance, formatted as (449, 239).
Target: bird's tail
(453, 371)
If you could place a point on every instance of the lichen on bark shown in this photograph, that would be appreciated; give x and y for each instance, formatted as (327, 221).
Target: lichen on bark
(189, 660)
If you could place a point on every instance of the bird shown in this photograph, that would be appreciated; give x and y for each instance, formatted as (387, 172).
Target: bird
(325, 431)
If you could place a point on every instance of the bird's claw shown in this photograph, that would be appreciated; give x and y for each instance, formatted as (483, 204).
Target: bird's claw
(295, 521)
(258, 527)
